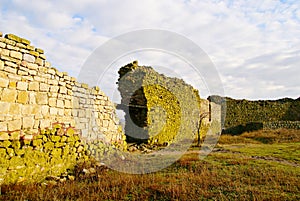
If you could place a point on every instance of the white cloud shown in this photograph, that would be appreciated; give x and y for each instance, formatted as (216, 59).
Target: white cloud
(255, 45)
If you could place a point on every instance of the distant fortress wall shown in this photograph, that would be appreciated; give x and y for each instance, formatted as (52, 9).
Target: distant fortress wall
(34, 95)
(244, 115)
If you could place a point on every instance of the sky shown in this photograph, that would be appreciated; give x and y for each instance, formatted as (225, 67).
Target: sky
(253, 44)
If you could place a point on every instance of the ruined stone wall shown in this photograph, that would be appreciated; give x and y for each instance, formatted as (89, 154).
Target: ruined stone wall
(244, 115)
(158, 109)
(34, 95)
(48, 120)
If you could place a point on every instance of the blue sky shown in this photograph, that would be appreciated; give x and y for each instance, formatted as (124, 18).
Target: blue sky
(255, 45)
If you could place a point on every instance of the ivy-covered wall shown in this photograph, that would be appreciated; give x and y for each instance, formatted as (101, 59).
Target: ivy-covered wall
(52, 152)
(245, 115)
(158, 109)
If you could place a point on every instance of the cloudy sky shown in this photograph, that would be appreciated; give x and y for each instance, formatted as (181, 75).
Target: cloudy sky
(254, 44)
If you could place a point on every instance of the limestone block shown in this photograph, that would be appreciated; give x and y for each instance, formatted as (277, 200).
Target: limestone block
(29, 58)
(54, 89)
(9, 95)
(15, 54)
(29, 47)
(68, 104)
(75, 102)
(3, 127)
(4, 108)
(52, 102)
(22, 97)
(39, 79)
(24, 51)
(4, 135)
(34, 86)
(10, 47)
(53, 111)
(59, 74)
(36, 109)
(9, 61)
(34, 53)
(68, 112)
(1, 65)
(61, 112)
(42, 98)
(69, 86)
(21, 45)
(61, 82)
(82, 101)
(22, 73)
(2, 45)
(26, 109)
(105, 123)
(4, 52)
(32, 66)
(14, 125)
(22, 86)
(42, 56)
(70, 92)
(14, 77)
(28, 122)
(45, 123)
(63, 90)
(36, 124)
(60, 103)
(81, 113)
(10, 69)
(32, 99)
(44, 87)
(75, 113)
(45, 110)
(53, 82)
(47, 64)
(52, 95)
(13, 37)
(14, 108)
(39, 50)
(32, 72)
(39, 61)
(4, 82)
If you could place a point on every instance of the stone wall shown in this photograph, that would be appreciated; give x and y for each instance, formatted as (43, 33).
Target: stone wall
(282, 124)
(158, 109)
(33, 95)
(48, 120)
(244, 115)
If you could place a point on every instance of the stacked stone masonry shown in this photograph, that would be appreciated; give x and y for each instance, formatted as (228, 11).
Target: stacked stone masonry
(33, 95)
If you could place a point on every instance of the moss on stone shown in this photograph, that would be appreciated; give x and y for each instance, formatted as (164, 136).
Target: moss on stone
(10, 152)
(158, 109)
(245, 115)
(15, 135)
(37, 142)
(16, 144)
(5, 143)
(55, 138)
(70, 132)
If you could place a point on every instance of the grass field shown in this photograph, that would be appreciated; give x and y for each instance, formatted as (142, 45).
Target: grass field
(260, 165)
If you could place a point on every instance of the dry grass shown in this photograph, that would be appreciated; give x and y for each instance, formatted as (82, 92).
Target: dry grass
(233, 174)
(262, 136)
